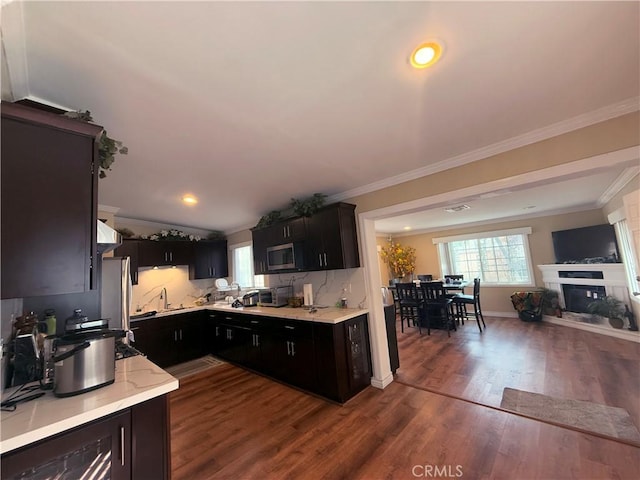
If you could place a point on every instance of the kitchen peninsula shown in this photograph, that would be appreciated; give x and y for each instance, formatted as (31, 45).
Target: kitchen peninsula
(325, 351)
(123, 426)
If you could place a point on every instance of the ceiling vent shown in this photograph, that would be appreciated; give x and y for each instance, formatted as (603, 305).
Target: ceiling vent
(457, 208)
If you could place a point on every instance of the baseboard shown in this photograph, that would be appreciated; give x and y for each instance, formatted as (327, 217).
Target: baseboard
(500, 314)
(623, 334)
(382, 383)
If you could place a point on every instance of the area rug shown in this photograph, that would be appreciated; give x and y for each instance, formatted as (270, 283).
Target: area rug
(586, 416)
(194, 366)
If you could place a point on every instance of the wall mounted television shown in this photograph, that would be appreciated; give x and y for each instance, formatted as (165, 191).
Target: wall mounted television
(595, 244)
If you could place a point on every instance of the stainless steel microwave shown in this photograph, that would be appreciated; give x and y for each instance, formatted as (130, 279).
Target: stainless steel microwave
(289, 256)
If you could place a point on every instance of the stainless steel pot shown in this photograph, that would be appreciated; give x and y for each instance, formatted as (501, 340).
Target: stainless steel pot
(84, 361)
(250, 299)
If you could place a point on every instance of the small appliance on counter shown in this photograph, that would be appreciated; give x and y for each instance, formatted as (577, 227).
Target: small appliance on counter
(275, 296)
(251, 299)
(84, 361)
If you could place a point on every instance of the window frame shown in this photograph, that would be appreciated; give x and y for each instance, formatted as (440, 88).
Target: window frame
(444, 253)
(258, 280)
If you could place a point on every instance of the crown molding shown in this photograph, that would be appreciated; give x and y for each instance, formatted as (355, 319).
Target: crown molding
(523, 180)
(618, 184)
(597, 116)
(493, 221)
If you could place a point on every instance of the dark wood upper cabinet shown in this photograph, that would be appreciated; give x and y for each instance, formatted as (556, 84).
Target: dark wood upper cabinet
(288, 231)
(130, 248)
(210, 260)
(49, 203)
(328, 237)
(332, 241)
(163, 253)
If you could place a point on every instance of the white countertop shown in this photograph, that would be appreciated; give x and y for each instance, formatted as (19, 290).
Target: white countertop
(331, 315)
(137, 380)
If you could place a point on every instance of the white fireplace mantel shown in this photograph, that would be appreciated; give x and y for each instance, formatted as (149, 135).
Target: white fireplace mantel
(614, 281)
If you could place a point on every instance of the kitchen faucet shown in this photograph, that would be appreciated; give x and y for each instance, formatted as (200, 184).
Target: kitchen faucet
(163, 296)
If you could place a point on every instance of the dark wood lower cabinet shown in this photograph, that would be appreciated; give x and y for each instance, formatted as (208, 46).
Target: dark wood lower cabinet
(171, 339)
(131, 444)
(329, 360)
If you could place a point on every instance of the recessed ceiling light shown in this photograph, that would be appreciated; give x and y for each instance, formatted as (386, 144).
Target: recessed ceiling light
(426, 55)
(529, 207)
(406, 228)
(189, 199)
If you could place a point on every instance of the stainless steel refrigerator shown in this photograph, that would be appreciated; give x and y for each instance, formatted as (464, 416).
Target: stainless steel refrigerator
(116, 293)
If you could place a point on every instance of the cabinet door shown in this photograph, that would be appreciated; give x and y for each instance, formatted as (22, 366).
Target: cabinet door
(157, 339)
(343, 351)
(260, 245)
(257, 353)
(358, 359)
(98, 450)
(219, 259)
(191, 334)
(129, 248)
(161, 253)
(293, 350)
(213, 333)
(180, 253)
(48, 202)
(290, 231)
(150, 439)
(235, 340)
(209, 260)
(152, 254)
(331, 238)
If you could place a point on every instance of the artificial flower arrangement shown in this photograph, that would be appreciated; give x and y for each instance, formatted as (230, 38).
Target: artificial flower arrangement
(172, 234)
(401, 260)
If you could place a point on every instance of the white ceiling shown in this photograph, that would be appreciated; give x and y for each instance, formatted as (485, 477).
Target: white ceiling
(248, 104)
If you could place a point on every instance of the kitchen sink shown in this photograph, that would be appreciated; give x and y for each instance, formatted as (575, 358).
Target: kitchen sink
(171, 309)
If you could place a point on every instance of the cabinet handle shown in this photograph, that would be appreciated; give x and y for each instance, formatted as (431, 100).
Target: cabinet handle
(217, 331)
(293, 349)
(180, 334)
(288, 348)
(165, 256)
(171, 256)
(257, 340)
(175, 335)
(325, 259)
(320, 258)
(122, 442)
(289, 327)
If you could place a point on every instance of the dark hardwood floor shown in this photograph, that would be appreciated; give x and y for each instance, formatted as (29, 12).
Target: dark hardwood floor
(230, 423)
(537, 357)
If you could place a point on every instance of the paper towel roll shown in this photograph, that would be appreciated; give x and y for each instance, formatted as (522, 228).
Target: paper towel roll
(307, 290)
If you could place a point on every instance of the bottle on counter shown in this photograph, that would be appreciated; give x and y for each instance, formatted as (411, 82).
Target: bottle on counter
(50, 320)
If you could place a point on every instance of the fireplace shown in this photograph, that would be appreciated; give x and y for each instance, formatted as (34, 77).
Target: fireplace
(578, 297)
(580, 284)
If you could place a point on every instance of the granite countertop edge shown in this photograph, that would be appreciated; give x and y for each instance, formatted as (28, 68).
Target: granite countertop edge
(136, 381)
(331, 315)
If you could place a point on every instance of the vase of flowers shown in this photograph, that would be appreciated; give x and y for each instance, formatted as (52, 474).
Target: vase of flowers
(400, 259)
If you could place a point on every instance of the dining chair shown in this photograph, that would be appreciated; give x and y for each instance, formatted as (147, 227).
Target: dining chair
(461, 301)
(438, 306)
(411, 305)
